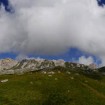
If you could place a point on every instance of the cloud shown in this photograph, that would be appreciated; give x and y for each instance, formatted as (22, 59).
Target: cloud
(87, 61)
(53, 26)
(21, 57)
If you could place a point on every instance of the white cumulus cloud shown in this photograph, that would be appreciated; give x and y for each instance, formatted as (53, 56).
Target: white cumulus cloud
(53, 26)
(86, 60)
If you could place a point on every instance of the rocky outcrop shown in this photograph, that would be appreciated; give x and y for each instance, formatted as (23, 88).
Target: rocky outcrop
(7, 63)
(92, 66)
(59, 62)
(34, 64)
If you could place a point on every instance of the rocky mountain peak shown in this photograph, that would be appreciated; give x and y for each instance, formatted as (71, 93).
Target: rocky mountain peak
(7, 63)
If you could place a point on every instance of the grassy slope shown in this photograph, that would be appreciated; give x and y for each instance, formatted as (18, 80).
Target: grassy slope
(60, 89)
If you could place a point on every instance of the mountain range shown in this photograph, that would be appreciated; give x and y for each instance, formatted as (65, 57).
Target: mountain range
(10, 66)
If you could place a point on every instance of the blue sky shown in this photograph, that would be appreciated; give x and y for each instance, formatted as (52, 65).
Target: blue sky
(70, 55)
(101, 2)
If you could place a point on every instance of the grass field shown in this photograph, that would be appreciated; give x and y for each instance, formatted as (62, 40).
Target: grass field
(61, 88)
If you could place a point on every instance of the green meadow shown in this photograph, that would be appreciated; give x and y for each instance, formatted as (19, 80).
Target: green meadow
(60, 88)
